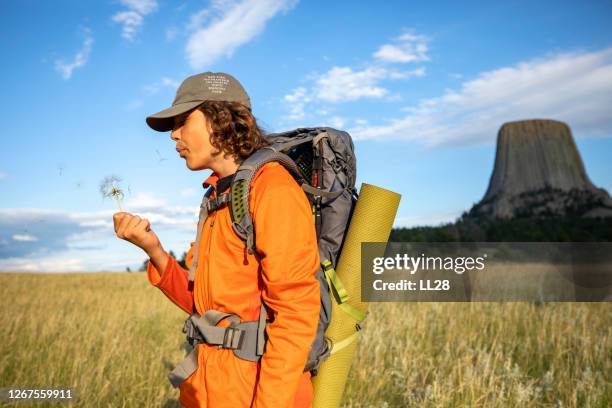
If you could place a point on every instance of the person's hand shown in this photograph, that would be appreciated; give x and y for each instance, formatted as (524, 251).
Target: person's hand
(136, 230)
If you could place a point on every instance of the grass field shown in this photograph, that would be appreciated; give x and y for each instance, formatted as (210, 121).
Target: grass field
(112, 337)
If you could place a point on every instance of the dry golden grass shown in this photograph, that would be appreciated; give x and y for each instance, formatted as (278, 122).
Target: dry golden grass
(110, 336)
(113, 338)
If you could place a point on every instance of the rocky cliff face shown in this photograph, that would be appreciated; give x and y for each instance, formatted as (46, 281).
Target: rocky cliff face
(538, 172)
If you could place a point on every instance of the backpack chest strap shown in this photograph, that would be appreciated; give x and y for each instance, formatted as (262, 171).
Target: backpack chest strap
(216, 203)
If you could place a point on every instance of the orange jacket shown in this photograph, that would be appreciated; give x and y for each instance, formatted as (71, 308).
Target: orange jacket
(230, 280)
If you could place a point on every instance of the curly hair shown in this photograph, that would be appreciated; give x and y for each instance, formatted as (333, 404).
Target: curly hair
(234, 129)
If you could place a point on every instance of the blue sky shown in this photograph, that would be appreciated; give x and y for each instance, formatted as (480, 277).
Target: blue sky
(423, 89)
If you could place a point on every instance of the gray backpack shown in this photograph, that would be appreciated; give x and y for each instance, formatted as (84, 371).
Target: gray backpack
(322, 161)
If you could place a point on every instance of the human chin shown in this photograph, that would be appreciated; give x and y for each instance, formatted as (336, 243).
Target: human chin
(188, 162)
(192, 166)
(195, 165)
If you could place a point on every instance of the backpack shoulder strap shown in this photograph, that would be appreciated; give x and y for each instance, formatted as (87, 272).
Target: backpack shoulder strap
(241, 186)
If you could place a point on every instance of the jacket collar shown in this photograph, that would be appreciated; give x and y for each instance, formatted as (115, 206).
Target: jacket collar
(211, 180)
(214, 180)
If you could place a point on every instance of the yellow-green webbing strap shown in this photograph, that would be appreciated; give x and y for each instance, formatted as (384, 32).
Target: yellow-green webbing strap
(341, 296)
(336, 347)
(339, 291)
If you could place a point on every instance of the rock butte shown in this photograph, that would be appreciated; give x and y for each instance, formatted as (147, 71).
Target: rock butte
(538, 172)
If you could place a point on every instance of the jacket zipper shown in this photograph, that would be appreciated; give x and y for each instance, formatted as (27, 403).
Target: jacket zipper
(208, 294)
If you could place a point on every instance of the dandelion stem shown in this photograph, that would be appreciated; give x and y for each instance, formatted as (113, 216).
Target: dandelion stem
(118, 202)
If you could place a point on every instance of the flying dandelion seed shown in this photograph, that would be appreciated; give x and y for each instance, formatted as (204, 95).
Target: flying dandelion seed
(109, 187)
(161, 159)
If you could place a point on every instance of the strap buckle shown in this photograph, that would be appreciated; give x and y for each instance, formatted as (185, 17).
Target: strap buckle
(232, 338)
(215, 203)
(211, 205)
(190, 332)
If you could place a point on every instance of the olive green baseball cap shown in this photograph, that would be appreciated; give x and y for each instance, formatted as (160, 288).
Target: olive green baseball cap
(207, 86)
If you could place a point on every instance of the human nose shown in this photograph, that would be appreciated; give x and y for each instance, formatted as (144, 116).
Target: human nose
(175, 134)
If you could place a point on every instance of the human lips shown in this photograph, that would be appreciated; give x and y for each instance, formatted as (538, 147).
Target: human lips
(180, 149)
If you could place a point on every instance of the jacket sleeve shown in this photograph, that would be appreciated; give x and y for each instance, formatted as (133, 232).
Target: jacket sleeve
(286, 239)
(174, 281)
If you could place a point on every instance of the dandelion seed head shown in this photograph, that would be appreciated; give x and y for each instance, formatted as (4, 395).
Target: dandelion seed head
(109, 187)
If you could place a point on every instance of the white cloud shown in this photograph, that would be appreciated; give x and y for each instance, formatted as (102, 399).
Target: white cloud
(296, 101)
(68, 262)
(26, 232)
(132, 18)
(347, 84)
(80, 59)
(152, 89)
(336, 122)
(24, 237)
(188, 192)
(42, 240)
(155, 87)
(169, 219)
(236, 23)
(131, 21)
(51, 264)
(405, 48)
(144, 201)
(170, 82)
(572, 87)
(105, 223)
(342, 84)
(198, 19)
(140, 6)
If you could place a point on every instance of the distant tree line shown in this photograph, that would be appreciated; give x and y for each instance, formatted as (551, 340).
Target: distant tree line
(181, 262)
(549, 229)
(547, 202)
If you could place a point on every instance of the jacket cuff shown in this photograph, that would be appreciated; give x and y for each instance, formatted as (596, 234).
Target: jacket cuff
(155, 278)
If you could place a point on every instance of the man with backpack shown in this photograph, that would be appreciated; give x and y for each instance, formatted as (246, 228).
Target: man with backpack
(244, 278)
